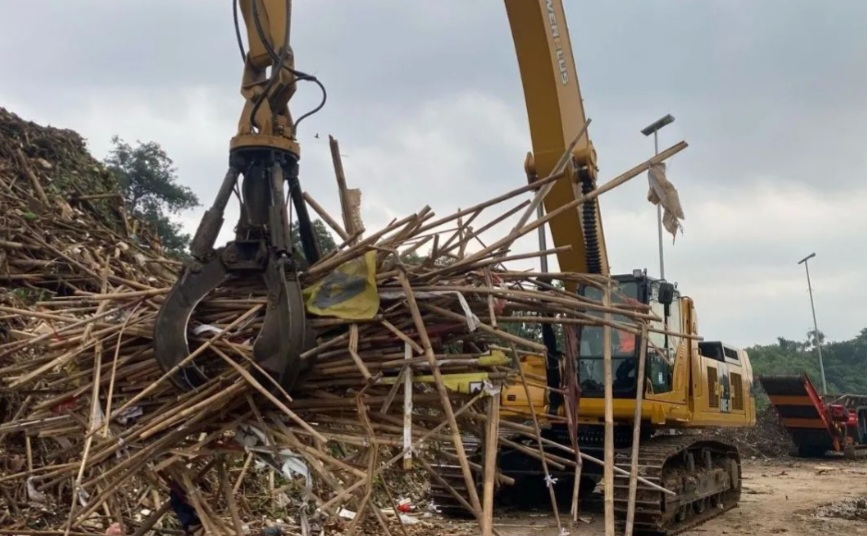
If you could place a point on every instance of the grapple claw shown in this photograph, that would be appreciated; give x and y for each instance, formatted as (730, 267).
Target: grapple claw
(263, 249)
(170, 330)
(282, 339)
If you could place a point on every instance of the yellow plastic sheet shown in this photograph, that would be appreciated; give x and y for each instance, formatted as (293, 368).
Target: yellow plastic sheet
(349, 292)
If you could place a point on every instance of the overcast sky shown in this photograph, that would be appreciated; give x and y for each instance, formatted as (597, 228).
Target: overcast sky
(425, 99)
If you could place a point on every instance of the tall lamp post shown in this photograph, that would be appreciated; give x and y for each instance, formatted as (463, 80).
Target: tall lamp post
(654, 128)
(815, 325)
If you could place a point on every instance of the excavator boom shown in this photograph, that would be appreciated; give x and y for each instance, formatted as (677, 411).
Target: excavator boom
(556, 115)
(676, 374)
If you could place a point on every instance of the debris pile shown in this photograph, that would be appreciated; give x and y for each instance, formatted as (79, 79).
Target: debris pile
(94, 433)
(852, 508)
(768, 439)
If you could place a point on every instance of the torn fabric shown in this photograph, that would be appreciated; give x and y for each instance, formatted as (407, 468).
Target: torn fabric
(663, 193)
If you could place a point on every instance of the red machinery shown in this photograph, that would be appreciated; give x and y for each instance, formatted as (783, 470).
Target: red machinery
(818, 423)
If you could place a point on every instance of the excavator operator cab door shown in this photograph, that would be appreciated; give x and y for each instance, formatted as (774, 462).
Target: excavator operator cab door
(624, 344)
(662, 346)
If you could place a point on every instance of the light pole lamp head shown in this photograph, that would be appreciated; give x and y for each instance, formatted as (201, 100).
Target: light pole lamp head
(808, 257)
(658, 124)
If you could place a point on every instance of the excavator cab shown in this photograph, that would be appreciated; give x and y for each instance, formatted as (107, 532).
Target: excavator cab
(636, 289)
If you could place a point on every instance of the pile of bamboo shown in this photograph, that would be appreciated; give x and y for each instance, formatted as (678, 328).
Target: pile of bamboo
(92, 432)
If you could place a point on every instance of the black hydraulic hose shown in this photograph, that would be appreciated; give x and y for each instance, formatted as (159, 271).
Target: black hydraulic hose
(279, 63)
(238, 30)
(588, 218)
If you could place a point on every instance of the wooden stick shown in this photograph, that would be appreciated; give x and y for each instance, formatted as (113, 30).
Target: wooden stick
(229, 497)
(325, 216)
(613, 183)
(491, 436)
(636, 434)
(353, 351)
(407, 409)
(572, 401)
(608, 470)
(34, 180)
(538, 430)
(444, 397)
(340, 175)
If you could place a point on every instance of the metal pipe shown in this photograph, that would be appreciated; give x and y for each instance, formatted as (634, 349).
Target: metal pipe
(659, 214)
(543, 259)
(815, 324)
(654, 128)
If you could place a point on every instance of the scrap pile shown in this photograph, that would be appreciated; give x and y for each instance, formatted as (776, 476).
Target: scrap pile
(767, 439)
(93, 435)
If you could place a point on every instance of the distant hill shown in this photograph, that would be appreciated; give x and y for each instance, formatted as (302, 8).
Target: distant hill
(845, 361)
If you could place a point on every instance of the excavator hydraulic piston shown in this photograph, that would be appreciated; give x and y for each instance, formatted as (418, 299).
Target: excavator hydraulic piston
(262, 249)
(265, 153)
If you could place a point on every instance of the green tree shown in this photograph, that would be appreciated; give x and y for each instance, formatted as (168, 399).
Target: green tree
(326, 239)
(148, 182)
(845, 361)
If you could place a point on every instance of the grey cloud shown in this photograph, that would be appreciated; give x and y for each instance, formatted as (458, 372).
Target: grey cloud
(426, 100)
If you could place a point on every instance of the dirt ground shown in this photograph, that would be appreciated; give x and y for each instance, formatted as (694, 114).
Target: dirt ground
(796, 497)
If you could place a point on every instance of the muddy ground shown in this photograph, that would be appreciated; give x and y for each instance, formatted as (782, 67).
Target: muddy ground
(789, 496)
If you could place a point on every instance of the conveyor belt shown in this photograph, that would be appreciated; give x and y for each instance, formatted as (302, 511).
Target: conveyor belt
(802, 412)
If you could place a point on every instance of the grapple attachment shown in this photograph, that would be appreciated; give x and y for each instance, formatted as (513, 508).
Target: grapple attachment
(261, 250)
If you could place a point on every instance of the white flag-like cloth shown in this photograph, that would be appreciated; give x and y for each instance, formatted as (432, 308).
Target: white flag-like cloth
(664, 194)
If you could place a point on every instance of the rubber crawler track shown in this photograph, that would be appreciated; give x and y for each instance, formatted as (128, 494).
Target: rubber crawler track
(450, 472)
(711, 488)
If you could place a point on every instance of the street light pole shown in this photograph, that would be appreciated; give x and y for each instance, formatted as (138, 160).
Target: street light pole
(654, 128)
(815, 325)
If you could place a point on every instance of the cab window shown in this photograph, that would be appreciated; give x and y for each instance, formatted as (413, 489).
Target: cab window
(662, 347)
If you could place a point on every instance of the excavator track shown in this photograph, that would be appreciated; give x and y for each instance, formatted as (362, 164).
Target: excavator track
(449, 474)
(704, 473)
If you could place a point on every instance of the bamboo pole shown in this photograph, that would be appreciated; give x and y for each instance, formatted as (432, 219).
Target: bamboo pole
(349, 218)
(407, 408)
(444, 397)
(492, 432)
(572, 401)
(608, 470)
(326, 216)
(636, 434)
(78, 343)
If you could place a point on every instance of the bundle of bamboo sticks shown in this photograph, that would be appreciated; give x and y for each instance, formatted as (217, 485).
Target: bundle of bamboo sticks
(93, 432)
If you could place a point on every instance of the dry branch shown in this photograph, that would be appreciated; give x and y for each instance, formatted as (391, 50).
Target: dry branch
(91, 424)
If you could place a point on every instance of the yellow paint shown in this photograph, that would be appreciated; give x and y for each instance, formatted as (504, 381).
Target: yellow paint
(677, 409)
(556, 116)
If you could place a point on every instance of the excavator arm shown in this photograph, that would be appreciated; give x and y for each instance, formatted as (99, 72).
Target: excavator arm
(556, 115)
(264, 154)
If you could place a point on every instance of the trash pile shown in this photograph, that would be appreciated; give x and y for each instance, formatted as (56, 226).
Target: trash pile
(95, 439)
(851, 508)
(768, 439)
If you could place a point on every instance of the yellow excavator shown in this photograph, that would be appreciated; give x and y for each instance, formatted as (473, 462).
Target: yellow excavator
(689, 383)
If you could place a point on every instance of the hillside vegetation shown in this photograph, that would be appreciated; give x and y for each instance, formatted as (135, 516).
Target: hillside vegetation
(845, 361)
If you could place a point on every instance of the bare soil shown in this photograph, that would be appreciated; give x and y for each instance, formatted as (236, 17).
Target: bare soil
(784, 496)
